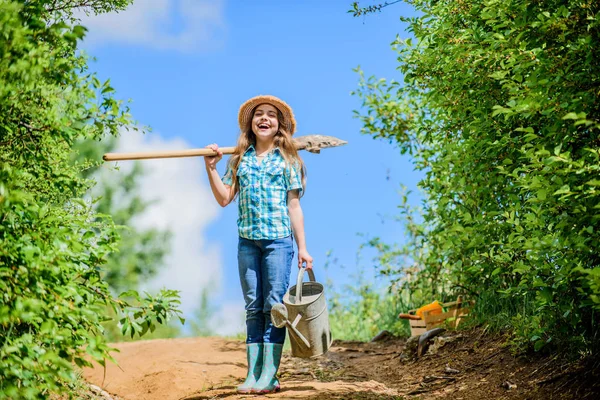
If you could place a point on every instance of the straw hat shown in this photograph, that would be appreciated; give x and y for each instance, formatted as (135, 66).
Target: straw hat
(245, 114)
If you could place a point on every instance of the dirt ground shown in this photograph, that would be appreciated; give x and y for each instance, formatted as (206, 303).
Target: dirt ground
(467, 365)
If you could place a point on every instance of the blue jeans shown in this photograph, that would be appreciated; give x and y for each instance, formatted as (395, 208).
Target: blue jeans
(264, 267)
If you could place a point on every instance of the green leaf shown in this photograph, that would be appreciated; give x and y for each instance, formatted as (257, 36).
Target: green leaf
(564, 189)
(538, 345)
(541, 194)
(571, 115)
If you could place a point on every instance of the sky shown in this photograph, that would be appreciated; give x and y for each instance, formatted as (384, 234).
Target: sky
(188, 65)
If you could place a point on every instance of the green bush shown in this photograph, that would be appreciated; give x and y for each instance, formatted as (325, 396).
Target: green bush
(500, 109)
(360, 312)
(52, 244)
(366, 306)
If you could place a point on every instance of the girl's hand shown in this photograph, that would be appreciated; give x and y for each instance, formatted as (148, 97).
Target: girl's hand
(304, 257)
(211, 161)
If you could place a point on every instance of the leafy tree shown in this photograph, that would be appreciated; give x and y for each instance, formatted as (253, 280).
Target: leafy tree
(500, 108)
(203, 316)
(53, 245)
(141, 252)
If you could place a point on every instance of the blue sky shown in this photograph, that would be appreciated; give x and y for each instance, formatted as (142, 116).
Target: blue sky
(188, 65)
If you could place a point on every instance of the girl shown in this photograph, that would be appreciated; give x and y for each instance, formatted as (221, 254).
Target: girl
(267, 175)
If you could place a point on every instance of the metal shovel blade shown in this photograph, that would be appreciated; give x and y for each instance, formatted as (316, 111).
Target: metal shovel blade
(314, 143)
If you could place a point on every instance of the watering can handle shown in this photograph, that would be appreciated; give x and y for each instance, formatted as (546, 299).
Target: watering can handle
(311, 276)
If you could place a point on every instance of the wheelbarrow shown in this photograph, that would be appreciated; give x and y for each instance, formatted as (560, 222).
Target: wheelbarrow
(435, 314)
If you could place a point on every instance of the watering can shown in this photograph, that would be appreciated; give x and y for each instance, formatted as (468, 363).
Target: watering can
(304, 312)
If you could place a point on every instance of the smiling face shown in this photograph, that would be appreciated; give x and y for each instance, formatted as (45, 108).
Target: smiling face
(264, 122)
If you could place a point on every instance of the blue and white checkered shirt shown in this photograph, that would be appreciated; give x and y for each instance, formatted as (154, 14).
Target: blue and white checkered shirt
(263, 212)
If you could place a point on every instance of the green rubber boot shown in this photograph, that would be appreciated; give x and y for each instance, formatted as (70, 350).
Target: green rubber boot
(268, 383)
(254, 353)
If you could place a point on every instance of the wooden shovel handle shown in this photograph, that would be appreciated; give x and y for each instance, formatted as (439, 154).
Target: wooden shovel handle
(312, 143)
(409, 316)
(165, 154)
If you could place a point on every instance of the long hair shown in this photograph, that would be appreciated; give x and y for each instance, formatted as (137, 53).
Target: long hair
(282, 139)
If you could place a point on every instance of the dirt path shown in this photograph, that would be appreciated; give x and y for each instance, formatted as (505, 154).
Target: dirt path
(469, 367)
(206, 368)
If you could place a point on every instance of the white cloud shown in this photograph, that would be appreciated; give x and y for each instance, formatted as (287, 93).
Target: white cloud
(181, 25)
(230, 319)
(183, 204)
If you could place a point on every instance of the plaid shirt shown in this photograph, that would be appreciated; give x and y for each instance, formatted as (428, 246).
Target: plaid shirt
(263, 212)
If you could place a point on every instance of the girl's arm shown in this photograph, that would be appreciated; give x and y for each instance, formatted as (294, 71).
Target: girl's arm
(223, 193)
(297, 219)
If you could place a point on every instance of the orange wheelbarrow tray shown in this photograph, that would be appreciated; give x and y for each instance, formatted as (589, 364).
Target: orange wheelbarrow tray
(451, 313)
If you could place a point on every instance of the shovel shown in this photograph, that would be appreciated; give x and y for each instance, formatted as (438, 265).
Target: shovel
(310, 143)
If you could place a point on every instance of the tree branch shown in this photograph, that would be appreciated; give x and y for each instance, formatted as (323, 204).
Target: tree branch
(357, 11)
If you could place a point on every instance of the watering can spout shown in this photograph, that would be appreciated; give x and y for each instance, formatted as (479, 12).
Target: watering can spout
(299, 338)
(279, 316)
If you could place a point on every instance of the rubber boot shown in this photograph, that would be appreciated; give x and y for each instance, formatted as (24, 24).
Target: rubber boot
(254, 353)
(268, 383)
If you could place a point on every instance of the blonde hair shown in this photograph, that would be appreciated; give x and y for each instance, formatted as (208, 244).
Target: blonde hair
(282, 139)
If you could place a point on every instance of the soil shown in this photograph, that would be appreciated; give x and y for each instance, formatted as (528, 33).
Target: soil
(466, 365)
